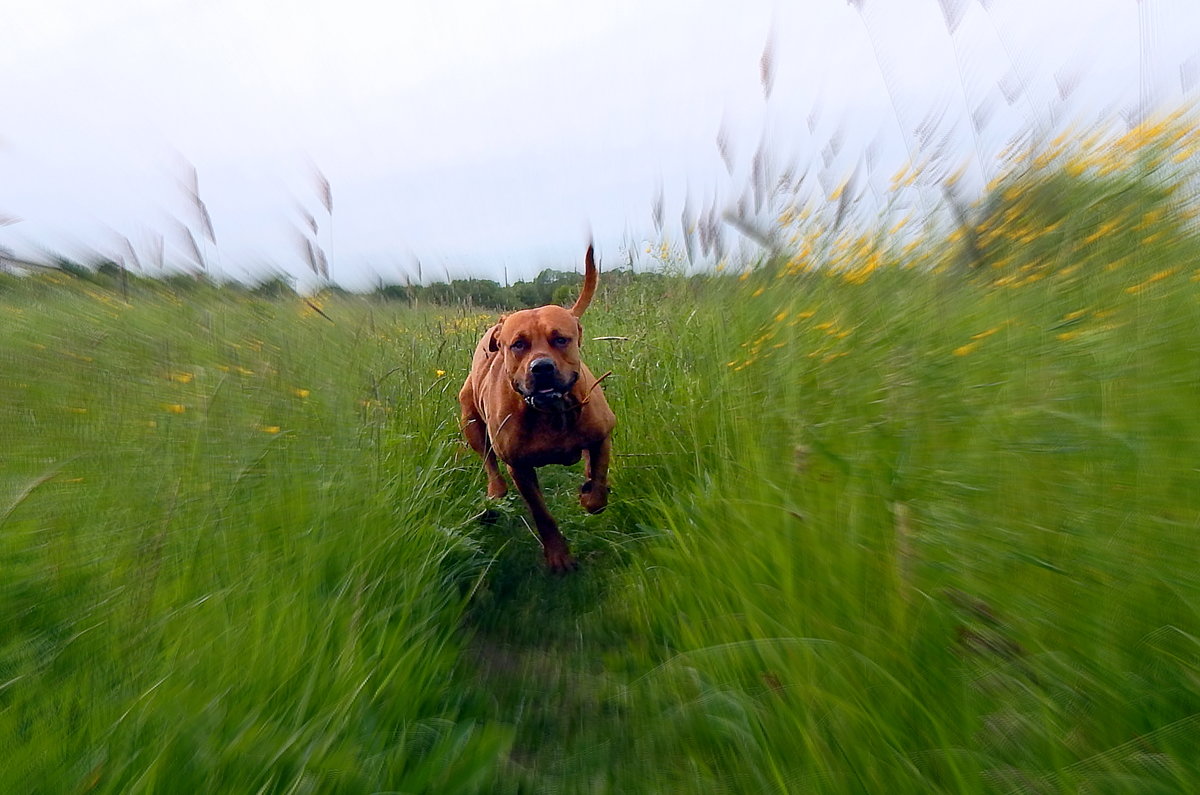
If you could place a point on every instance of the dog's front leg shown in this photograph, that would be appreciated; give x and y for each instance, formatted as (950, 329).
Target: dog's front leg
(593, 494)
(554, 546)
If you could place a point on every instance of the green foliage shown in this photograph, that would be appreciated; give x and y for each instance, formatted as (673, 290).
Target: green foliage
(189, 491)
(877, 526)
(74, 269)
(274, 287)
(548, 287)
(109, 269)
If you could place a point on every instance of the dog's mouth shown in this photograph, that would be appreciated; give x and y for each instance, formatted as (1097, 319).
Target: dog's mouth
(546, 394)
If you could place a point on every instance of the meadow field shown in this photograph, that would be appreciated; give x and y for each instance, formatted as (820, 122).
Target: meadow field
(897, 507)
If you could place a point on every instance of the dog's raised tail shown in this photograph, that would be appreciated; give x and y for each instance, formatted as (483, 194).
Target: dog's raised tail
(589, 284)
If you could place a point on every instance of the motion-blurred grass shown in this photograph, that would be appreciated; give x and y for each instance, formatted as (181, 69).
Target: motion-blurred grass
(229, 549)
(897, 510)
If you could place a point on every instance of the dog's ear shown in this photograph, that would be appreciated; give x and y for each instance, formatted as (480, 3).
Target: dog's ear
(493, 344)
(578, 333)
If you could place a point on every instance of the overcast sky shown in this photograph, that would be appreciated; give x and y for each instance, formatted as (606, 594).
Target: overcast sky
(476, 136)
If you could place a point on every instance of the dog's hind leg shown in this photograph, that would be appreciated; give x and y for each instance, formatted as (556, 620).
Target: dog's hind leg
(476, 435)
(554, 546)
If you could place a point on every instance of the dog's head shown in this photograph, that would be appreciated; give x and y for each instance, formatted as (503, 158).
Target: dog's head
(541, 353)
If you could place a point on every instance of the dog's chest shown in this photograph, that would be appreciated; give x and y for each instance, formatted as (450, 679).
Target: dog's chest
(537, 439)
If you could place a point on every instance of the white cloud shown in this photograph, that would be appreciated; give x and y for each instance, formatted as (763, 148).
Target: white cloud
(481, 132)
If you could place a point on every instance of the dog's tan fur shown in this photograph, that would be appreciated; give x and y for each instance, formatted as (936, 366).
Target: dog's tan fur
(530, 401)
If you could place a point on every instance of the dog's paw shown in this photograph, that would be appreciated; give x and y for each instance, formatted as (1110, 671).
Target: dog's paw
(593, 496)
(559, 560)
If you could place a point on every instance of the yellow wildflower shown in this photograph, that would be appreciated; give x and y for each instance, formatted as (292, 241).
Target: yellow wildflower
(896, 227)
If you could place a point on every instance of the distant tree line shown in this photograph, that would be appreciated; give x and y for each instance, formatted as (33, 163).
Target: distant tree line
(112, 275)
(548, 287)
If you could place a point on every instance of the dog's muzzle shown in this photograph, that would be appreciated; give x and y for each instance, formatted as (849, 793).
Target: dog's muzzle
(543, 390)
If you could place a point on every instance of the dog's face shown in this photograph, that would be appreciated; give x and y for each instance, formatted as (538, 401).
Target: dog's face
(541, 353)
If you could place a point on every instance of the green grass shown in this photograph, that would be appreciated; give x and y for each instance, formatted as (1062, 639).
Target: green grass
(931, 530)
(230, 560)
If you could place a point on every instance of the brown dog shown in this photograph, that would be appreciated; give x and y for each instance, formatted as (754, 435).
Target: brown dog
(529, 401)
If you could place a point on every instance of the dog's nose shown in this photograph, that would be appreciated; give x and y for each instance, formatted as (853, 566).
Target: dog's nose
(542, 366)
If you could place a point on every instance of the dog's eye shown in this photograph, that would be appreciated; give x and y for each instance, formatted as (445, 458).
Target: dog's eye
(519, 345)
(560, 342)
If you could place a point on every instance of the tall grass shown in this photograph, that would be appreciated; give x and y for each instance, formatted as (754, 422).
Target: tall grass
(226, 565)
(943, 535)
(899, 510)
